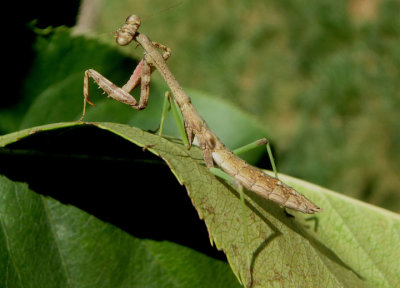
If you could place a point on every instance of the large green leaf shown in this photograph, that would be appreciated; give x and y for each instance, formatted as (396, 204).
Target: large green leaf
(348, 244)
(48, 244)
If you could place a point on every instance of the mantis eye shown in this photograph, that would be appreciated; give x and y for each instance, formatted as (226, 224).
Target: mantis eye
(133, 20)
(123, 37)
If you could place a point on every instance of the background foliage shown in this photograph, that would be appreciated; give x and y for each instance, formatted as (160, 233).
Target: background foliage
(322, 77)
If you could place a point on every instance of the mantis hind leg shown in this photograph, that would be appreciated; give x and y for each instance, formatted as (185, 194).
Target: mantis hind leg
(255, 144)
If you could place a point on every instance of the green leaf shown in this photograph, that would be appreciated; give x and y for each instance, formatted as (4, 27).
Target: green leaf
(48, 244)
(348, 244)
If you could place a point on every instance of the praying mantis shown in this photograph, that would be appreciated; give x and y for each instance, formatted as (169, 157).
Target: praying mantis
(214, 151)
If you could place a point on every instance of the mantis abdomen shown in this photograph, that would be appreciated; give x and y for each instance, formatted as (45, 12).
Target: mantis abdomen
(262, 184)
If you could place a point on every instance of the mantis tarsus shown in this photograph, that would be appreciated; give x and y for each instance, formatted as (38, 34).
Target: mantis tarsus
(214, 151)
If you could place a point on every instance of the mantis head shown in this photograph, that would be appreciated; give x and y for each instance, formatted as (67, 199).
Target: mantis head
(125, 34)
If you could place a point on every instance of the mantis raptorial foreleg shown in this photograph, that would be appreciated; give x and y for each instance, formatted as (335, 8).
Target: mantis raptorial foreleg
(135, 78)
(141, 75)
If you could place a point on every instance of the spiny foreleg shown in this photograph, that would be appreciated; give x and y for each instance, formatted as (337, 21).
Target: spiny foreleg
(116, 92)
(141, 75)
(135, 79)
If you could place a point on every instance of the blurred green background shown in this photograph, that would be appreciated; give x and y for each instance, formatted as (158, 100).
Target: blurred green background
(322, 77)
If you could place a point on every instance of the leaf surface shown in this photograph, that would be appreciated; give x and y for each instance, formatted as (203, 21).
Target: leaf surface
(45, 243)
(348, 244)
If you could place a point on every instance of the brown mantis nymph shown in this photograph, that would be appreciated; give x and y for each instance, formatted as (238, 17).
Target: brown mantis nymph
(214, 151)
